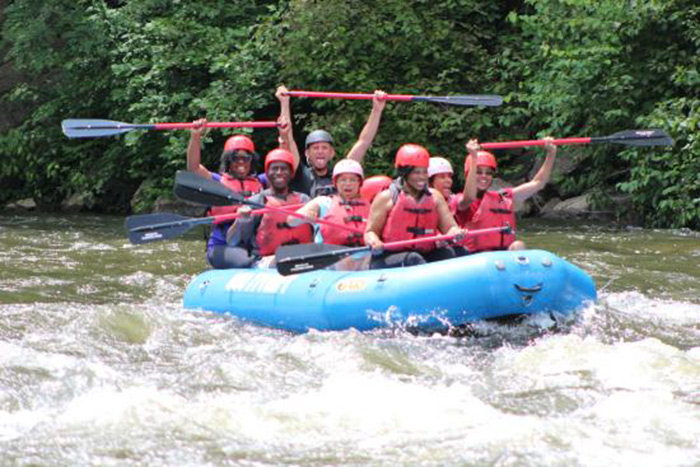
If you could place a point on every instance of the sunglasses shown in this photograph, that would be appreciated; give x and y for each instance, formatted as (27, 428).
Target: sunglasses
(240, 159)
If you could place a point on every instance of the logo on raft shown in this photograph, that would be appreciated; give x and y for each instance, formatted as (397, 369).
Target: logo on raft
(351, 285)
(151, 236)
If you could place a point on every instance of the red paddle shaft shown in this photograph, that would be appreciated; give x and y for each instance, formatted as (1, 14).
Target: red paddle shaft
(534, 142)
(183, 126)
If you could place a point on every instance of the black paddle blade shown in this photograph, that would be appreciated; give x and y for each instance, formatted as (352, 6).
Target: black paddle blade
(638, 138)
(471, 101)
(295, 259)
(147, 228)
(191, 187)
(92, 128)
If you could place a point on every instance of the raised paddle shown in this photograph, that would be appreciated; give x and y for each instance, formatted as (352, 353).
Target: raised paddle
(192, 187)
(295, 259)
(629, 138)
(92, 128)
(147, 228)
(487, 100)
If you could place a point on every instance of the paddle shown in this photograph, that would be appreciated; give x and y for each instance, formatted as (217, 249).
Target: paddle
(629, 138)
(487, 100)
(295, 259)
(146, 228)
(192, 187)
(92, 128)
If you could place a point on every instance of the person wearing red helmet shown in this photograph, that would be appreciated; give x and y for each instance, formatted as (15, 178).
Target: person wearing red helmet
(409, 209)
(372, 186)
(478, 207)
(346, 207)
(315, 178)
(252, 238)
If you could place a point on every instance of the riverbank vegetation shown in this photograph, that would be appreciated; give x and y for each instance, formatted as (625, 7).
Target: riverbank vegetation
(564, 67)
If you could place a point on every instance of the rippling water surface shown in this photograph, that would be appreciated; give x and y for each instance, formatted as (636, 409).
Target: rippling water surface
(100, 365)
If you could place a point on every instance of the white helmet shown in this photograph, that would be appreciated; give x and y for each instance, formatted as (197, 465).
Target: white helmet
(348, 166)
(439, 165)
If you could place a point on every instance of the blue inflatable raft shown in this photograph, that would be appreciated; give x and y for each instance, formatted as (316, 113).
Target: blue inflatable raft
(428, 297)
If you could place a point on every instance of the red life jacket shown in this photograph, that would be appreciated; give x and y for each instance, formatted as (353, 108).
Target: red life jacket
(246, 187)
(496, 210)
(274, 231)
(452, 203)
(352, 213)
(410, 219)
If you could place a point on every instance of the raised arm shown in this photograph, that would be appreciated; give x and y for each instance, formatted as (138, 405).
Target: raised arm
(310, 210)
(469, 193)
(194, 150)
(286, 135)
(359, 149)
(524, 191)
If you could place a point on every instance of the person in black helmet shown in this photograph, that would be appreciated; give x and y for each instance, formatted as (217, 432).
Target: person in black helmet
(315, 178)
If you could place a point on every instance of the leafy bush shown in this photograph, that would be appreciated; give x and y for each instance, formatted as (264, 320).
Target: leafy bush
(595, 67)
(565, 67)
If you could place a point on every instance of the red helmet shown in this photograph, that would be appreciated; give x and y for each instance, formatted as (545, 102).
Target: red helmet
(412, 155)
(237, 142)
(373, 185)
(483, 159)
(280, 155)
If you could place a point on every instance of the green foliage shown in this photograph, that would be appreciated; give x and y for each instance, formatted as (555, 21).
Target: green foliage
(48, 42)
(590, 67)
(148, 61)
(565, 67)
(424, 48)
(666, 187)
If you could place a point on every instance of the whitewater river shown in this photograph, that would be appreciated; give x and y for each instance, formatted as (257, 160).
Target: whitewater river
(100, 365)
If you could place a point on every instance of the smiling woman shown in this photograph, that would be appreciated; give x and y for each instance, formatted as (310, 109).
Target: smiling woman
(234, 173)
(345, 208)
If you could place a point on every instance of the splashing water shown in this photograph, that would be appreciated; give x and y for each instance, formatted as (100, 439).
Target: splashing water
(100, 365)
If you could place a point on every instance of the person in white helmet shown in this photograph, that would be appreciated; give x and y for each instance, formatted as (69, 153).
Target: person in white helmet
(315, 178)
(347, 207)
(440, 177)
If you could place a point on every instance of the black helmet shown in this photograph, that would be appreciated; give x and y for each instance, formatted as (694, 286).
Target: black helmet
(318, 136)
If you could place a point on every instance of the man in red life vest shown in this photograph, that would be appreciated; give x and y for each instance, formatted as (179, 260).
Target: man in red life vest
(479, 208)
(409, 210)
(251, 238)
(346, 207)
